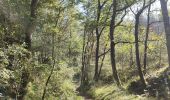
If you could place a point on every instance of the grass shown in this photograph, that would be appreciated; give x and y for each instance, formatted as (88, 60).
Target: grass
(112, 92)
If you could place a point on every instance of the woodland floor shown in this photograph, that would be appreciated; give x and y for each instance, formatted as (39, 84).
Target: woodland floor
(158, 86)
(85, 96)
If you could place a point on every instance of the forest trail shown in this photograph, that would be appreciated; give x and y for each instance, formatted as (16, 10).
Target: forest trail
(85, 49)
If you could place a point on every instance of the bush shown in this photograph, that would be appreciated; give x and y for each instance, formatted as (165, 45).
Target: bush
(14, 61)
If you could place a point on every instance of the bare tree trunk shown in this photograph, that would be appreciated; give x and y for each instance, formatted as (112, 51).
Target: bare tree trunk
(98, 34)
(112, 44)
(31, 25)
(53, 57)
(102, 61)
(97, 58)
(53, 66)
(137, 50)
(84, 75)
(83, 60)
(166, 25)
(146, 40)
(137, 17)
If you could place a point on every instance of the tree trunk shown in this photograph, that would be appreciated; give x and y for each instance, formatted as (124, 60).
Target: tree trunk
(84, 75)
(97, 59)
(166, 25)
(23, 84)
(137, 50)
(53, 66)
(112, 44)
(100, 69)
(31, 25)
(28, 32)
(97, 43)
(146, 40)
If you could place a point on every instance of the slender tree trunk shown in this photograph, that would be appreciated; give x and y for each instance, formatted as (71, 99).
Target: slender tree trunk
(53, 58)
(137, 17)
(97, 59)
(166, 25)
(88, 47)
(84, 59)
(102, 61)
(137, 49)
(97, 43)
(98, 34)
(53, 67)
(146, 40)
(112, 44)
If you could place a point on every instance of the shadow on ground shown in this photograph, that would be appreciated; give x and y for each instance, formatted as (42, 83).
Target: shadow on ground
(158, 87)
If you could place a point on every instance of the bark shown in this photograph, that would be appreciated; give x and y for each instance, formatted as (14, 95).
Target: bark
(97, 58)
(97, 43)
(137, 49)
(146, 40)
(102, 61)
(53, 67)
(31, 25)
(166, 25)
(85, 59)
(53, 58)
(98, 34)
(112, 44)
(137, 17)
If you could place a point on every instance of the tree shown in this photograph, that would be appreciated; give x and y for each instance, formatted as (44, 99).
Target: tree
(98, 35)
(116, 9)
(112, 44)
(31, 25)
(137, 18)
(166, 25)
(146, 39)
(30, 29)
(86, 55)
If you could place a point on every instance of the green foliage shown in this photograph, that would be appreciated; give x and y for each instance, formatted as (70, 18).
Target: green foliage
(14, 60)
(60, 86)
(59, 36)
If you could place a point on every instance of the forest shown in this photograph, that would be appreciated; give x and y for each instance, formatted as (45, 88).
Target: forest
(84, 50)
